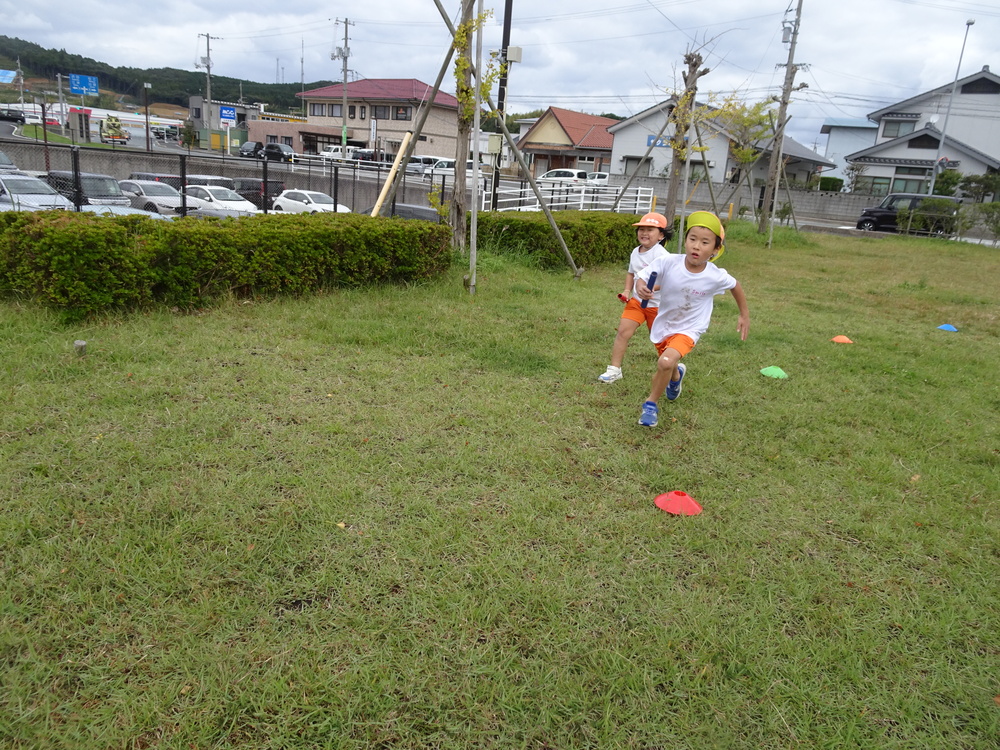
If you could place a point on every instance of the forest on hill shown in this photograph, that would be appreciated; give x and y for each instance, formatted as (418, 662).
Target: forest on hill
(170, 85)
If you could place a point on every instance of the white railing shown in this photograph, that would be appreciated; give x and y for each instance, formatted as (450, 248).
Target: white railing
(638, 200)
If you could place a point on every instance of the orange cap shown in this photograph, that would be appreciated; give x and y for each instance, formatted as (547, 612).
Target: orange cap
(652, 220)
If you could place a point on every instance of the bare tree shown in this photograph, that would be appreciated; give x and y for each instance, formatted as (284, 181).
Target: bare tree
(682, 117)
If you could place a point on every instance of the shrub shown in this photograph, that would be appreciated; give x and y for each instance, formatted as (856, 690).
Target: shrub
(84, 264)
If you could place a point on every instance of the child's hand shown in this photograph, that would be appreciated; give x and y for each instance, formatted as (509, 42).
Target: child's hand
(641, 290)
(743, 327)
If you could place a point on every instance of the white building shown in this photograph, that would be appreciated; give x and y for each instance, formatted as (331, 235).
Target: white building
(910, 132)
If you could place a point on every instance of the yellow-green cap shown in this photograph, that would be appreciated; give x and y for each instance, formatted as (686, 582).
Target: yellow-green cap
(711, 222)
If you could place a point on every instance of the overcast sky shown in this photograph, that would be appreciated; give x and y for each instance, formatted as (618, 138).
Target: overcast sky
(596, 56)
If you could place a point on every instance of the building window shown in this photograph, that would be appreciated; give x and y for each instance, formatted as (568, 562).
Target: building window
(364, 111)
(196, 113)
(896, 128)
(901, 185)
(317, 110)
(352, 112)
(872, 185)
(380, 112)
(336, 110)
(583, 161)
(401, 113)
(287, 140)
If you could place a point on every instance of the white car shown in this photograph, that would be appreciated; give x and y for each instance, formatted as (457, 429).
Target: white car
(599, 179)
(307, 202)
(219, 198)
(446, 168)
(22, 192)
(563, 177)
(158, 197)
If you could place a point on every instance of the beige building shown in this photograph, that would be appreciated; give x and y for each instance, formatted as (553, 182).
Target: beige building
(379, 112)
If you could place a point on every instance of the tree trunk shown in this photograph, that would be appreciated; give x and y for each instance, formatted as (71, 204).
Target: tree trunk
(466, 104)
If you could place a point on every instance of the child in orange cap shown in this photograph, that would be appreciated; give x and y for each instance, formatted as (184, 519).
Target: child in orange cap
(651, 231)
(687, 284)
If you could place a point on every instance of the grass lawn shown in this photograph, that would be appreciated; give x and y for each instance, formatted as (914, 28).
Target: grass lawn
(408, 517)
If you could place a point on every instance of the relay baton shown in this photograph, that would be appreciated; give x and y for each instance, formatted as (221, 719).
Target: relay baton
(650, 283)
(622, 297)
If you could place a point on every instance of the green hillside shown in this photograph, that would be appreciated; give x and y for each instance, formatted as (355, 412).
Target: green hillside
(169, 84)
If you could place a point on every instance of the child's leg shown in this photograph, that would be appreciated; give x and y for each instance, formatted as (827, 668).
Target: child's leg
(626, 329)
(666, 370)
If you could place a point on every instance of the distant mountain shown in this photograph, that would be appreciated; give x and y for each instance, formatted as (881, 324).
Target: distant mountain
(169, 85)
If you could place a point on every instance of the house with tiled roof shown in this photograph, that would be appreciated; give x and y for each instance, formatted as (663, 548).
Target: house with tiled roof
(379, 112)
(642, 147)
(911, 133)
(563, 139)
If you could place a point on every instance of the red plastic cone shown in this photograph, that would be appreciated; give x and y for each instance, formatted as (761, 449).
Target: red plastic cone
(679, 503)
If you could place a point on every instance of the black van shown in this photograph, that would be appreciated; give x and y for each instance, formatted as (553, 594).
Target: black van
(252, 188)
(96, 189)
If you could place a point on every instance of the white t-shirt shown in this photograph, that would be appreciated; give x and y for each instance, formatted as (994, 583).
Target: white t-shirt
(686, 298)
(639, 260)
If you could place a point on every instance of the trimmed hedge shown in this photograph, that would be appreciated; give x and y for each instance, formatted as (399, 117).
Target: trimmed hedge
(84, 264)
(593, 237)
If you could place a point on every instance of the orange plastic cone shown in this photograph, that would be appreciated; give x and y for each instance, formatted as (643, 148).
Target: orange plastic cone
(841, 340)
(679, 503)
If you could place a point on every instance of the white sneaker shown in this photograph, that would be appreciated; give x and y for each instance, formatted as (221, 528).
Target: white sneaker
(611, 374)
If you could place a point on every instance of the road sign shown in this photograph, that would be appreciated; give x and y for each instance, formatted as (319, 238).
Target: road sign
(227, 115)
(79, 84)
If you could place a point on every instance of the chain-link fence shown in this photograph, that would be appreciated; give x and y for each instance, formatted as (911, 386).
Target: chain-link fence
(355, 186)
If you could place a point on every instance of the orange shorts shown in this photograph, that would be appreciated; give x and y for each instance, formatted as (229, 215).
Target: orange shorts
(678, 342)
(634, 311)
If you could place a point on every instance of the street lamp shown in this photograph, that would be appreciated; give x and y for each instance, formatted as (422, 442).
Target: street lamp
(145, 100)
(947, 113)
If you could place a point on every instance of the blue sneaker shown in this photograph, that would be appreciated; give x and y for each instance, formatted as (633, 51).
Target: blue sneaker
(674, 386)
(648, 418)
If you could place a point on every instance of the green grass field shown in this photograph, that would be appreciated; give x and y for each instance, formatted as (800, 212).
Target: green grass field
(411, 518)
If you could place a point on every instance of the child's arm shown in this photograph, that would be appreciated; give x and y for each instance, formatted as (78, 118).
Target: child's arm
(743, 324)
(629, 285)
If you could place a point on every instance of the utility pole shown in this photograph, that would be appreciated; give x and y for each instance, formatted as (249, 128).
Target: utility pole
(791, 35)
(206, 115)
(501, 96)
(343, 53)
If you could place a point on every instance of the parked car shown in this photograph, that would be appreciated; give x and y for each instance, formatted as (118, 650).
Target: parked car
(157, 197)
(122, 211)
(174, 180)
(22, 192)
(5, 162)
(563, 177)
(250, 149)
(406, 211)
(96, 189)
(446, 168)
(364, 157)
(218, 197)
(252, 188)
(334, 152)
(277, 152)
(211, 179)
(598, 179)
(33, 119)
(307, 202)
(882, 218)
(419, 164)
(12, 115)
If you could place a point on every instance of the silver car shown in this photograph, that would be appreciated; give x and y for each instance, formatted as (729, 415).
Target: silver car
(158, 197)
(22, 192)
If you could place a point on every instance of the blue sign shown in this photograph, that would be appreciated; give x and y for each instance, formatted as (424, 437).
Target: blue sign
(227, 114)
(7, 76)
(659, 142)
(83, 84)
